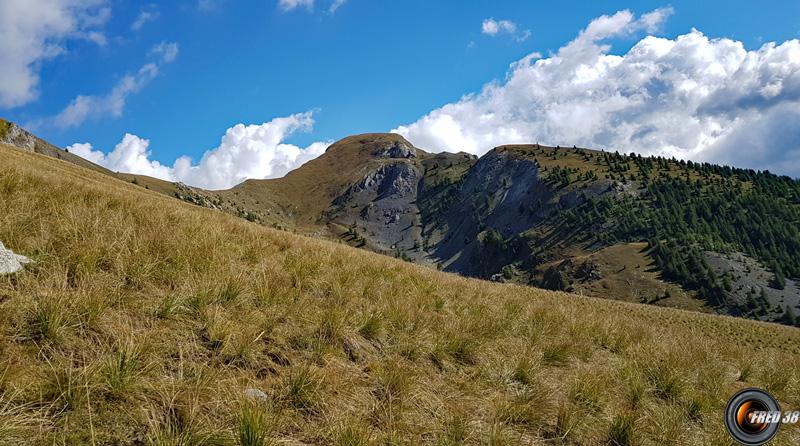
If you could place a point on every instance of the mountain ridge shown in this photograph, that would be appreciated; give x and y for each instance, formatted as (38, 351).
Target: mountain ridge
(552, 217)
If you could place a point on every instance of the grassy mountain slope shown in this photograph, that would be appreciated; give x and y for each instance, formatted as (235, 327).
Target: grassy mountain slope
(145, 321)
(11, 133)
(268, 209)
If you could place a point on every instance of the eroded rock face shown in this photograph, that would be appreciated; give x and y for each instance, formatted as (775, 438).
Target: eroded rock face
(397, 150)
(11, 262)
(18, 137)
(382, 208)
(501, 192)
(393, 180)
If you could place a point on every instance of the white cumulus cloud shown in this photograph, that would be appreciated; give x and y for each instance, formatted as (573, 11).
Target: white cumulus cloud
(245, 151)
(132, 155)
(32, 31)
(689, 97)
(112, 103)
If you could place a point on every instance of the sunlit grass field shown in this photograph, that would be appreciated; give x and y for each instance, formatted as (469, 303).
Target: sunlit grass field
(148, 321)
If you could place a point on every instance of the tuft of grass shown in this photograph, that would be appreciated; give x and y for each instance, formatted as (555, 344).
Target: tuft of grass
(231, 290)
(667, 425)
(745, 372)
(695, 410)
(49, 319)
(123, 367)
(331, 326)
(300, 390)
(527, 408)
(566, 420)
(371, 328)
(556, 354)
(668, 383)
(175, 418)
(200, 300)
(171, 306)
(499, 435)
(64, 389)
(590, 391)
(243, 347)
(351, 433)
(392, 386)
(462, 348)
(523, 372)
(393, 382)
(636, 393)
(776, 378)
(254, 425)
(621, 431)
(455, 431)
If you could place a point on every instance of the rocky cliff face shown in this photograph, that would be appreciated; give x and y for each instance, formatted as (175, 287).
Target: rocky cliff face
(454, 210)
(16, 136)
(397, 149)
(501, 196)
(381, 209)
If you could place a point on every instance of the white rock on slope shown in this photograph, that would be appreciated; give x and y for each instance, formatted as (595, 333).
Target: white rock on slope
(11, 262)
(255, 394)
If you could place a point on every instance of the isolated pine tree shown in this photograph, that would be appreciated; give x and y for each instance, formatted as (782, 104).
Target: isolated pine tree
(788, 317)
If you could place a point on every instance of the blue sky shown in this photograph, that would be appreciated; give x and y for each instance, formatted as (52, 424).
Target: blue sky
(370, 65)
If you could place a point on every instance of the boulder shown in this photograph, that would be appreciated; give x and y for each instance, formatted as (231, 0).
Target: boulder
(11, 262)
(255, 394)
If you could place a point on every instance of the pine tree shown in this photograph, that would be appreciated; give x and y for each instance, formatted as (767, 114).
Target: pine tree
(778, 280)
(788, 317)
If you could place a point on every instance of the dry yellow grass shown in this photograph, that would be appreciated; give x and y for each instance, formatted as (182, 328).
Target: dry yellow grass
(144, 320)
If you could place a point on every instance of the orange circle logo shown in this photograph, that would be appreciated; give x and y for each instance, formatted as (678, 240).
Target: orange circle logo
(752, 417)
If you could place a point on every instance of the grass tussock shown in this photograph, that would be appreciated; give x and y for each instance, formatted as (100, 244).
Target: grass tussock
(255, 425)
(123, 366)
(621, 431)
(145, 318)
(300, 390)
